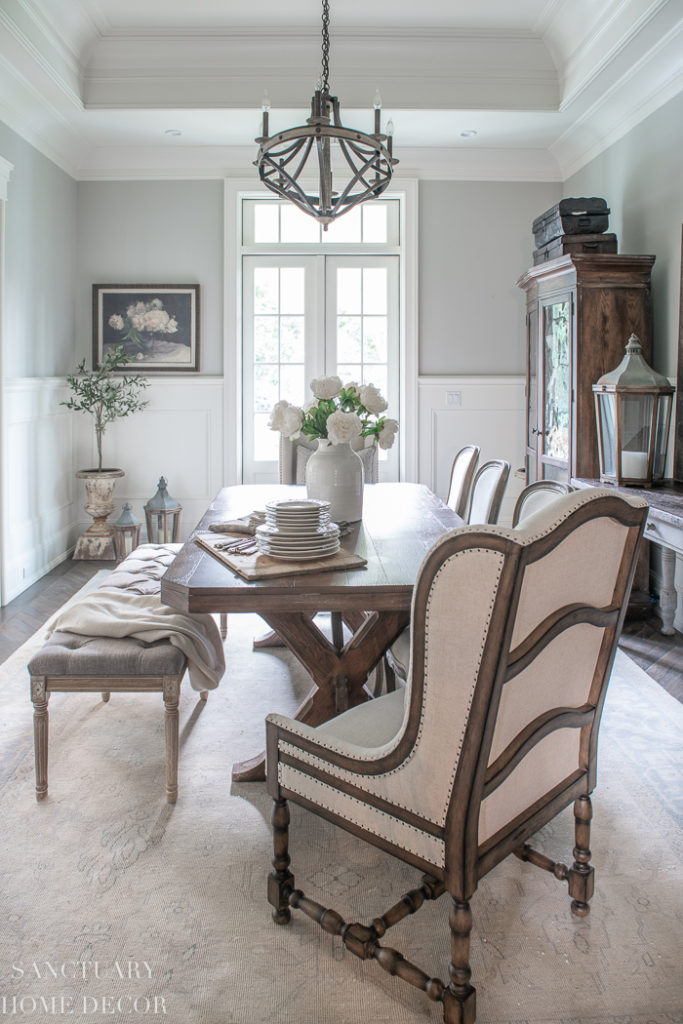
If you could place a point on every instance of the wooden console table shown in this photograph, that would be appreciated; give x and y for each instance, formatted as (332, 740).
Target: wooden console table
(665, 528)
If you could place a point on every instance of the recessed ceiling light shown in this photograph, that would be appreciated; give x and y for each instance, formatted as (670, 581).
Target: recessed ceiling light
(468, 133)
(173, 131)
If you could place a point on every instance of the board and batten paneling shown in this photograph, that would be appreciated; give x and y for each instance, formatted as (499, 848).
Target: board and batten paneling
(455, 411)
(178, 436)
(38, 482)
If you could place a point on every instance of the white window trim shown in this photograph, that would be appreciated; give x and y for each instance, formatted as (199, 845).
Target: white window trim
(236, 189)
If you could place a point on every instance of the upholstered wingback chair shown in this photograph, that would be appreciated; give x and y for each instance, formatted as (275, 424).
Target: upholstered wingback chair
(514, 635)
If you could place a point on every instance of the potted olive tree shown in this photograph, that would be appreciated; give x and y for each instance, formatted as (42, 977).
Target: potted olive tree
(107, 395)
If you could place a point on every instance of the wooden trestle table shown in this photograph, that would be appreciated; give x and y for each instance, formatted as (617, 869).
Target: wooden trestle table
(400, 523)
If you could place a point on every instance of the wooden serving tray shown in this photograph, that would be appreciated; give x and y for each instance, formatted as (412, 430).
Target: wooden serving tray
(261, 567)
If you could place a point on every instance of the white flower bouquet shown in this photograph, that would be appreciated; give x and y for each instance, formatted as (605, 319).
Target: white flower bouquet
(341, 413)
(143, 318)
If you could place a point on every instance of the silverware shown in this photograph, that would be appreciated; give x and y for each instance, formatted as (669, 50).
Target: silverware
(244, 546)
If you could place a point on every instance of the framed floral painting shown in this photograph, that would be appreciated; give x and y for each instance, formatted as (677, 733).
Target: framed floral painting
(156, 324)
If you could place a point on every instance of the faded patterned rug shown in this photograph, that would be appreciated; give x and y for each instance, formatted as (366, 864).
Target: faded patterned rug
(116, 906)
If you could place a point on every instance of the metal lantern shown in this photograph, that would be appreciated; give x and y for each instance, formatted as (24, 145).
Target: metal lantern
(126, 533)
(162, 514)
(633, 411)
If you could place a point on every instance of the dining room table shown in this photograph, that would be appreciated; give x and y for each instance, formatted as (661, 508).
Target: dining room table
(372, 598)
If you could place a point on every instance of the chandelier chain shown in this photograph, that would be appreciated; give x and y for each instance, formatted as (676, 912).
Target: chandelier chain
(326, 46)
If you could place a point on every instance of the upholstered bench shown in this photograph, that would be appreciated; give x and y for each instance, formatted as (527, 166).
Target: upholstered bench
(69, 662)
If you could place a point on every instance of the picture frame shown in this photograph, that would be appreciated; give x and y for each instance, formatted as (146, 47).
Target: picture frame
(156, 324)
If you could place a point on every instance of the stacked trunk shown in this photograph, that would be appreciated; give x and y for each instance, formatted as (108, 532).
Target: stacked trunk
(573, 226)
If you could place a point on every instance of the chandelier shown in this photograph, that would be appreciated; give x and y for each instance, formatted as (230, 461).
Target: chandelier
(283, 158)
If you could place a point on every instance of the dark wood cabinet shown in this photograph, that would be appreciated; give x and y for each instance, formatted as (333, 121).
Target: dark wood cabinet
(580, 312)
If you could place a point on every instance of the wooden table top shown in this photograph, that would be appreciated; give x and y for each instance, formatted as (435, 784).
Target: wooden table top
(400, 523)
(665, 500)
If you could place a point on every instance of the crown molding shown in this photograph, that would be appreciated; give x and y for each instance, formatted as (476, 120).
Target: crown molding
(211, 163)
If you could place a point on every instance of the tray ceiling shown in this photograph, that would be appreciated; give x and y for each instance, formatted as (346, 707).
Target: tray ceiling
(544, 85)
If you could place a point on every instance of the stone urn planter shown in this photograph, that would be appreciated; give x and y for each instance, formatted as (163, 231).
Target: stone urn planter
(98, 540)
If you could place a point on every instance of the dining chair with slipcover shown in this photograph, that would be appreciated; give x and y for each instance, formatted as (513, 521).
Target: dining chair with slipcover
(462, 474)
(535, 496)
(495, 733)
(488, 488)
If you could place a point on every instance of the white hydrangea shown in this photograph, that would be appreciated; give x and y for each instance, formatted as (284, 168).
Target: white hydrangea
(385, 438)
(372, 399)
(343, 426)
(326, 387)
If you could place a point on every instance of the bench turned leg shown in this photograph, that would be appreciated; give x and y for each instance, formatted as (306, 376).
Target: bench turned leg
(105, 696)
(223, 625)
(41, 719)
(203, 694)
(171, 698)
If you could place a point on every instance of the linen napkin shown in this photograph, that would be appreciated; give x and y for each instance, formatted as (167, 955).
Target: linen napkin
(246, 524)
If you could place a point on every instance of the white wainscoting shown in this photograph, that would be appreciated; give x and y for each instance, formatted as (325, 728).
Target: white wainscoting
(455, 411)
(38, 484)
(178, 436)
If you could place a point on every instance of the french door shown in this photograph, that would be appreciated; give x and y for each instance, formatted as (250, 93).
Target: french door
(304, 316)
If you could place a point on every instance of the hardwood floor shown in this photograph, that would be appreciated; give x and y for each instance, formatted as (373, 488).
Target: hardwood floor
(660, 656)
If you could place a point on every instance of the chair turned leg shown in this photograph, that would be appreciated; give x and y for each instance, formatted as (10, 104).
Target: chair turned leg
(280, 880)
(459, 997)
(105, 696)
(41, 721)
(581, 875)
(203, 694)
(171, 697)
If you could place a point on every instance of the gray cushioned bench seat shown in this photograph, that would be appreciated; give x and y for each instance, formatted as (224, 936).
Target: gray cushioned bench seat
(69, 662)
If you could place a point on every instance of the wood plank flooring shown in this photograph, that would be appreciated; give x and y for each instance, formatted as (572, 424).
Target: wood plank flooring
(660, 656)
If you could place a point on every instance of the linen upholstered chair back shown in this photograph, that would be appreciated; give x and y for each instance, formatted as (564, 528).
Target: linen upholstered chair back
(462, 474)
(513, 638)
(488, 489)
(295, 454)
(536, 496)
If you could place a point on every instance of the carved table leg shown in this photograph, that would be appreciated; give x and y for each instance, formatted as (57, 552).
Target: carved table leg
(667, 596)
(40, 698)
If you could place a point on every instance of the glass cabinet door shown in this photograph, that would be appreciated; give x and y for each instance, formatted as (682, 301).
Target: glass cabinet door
(554, 428)
(532, 398)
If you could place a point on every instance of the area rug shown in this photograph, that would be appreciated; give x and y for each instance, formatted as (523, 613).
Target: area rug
(115, 905)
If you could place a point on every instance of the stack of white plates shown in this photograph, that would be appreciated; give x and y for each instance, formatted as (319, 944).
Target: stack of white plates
(298, 530)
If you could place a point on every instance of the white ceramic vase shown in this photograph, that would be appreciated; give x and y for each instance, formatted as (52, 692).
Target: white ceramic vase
(334, 473)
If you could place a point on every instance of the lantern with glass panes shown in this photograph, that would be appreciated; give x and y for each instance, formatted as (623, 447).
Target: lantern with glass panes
(162, 514)
(126, 533)
(633, 412)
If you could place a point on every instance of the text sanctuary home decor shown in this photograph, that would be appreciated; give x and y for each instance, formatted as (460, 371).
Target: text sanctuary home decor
(156, 324)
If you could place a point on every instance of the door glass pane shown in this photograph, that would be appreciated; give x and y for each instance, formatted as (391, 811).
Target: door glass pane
(349, 339)
(556, 380)
(375, 290)
(292, 290)
(266, 290)
(349, 290)
(375, 339)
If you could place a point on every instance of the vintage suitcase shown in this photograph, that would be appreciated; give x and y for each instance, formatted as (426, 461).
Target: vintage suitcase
(571, 217)
(575, 243)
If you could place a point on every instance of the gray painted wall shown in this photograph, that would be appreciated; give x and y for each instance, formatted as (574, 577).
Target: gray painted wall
(641, 177)
(475, 241)
(153, 232)
(40, 247)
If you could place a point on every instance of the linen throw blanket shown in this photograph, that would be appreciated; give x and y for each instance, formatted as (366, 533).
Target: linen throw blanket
(111, 612)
